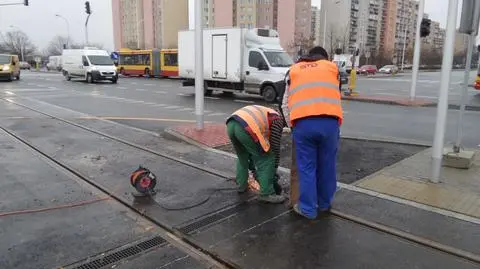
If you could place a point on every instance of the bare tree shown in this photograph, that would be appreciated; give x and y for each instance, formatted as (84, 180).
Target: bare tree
(17, 42)
(56, 45)
(301, 44)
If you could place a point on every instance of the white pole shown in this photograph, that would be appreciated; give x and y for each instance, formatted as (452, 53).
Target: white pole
(466, 75)
(324, 27)
(442, 107)
(416, 55)
(199, 64)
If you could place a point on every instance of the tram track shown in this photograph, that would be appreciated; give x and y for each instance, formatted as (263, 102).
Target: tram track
(178, 235)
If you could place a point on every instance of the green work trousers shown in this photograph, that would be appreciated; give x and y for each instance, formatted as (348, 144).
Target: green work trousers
(247, 150)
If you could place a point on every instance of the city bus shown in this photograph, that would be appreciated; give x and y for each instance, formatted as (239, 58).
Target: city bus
(152, 62)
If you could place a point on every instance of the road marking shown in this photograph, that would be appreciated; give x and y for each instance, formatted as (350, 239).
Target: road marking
(148, 103)
(122, 88)
(172, 107)
(9, 93)
(53, 88)
(140, 90)
(148, 85)
(160, 105)
(185, 109)
(161, 92)
(134, 118)
(213, 98)
(183, 94)
(244, 101)
(220, 114)
(133, 83)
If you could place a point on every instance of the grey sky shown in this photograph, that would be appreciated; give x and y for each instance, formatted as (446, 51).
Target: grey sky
(39, 21)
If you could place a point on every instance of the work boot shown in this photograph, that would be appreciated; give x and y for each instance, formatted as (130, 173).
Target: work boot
(296, 209)
(272, 199)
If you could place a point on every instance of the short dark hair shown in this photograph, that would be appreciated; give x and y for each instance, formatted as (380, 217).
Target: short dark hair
(318, 51)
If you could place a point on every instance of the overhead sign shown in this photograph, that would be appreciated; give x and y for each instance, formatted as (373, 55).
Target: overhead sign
(469, 22)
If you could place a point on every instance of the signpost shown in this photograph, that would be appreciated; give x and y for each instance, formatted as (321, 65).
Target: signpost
(469, 25)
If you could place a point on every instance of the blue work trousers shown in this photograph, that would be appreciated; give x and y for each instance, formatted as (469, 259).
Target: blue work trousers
(316, 143)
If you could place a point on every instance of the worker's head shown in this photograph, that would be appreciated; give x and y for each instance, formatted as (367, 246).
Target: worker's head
(318, 52)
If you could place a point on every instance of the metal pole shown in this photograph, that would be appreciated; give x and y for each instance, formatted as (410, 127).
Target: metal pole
(68, 28)
(404, 36)
(438, 142)
(86, 30)
(466, 75)
(199, 83)
(416, 55)
(324, 27)
(21, 51)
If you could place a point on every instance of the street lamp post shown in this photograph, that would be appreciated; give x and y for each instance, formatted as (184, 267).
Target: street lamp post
(22, 43)
(199, 82)
(416, 53)
(68, 28)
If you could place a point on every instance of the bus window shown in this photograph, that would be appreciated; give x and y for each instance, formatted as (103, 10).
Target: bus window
(170, 59)
(135, 59)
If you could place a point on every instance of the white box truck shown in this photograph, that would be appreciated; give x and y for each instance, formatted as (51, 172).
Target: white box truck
(235, 60)
(89, 63)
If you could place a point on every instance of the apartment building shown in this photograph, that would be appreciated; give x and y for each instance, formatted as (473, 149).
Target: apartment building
(365, 23)
(316, 24)
(336, 15)
(148, 24)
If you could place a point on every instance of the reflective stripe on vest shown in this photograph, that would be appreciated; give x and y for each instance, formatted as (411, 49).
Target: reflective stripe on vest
(256, 117)
(314, 90)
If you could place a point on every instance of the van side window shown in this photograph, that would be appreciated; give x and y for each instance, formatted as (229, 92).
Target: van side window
(84, 61)
(254, 58)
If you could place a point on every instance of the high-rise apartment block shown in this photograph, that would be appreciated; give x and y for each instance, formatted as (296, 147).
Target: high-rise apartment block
(316, 24)
(375, 27)
(148, 23)
(291, 18)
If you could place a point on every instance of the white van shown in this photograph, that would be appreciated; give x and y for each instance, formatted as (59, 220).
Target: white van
(90, 64)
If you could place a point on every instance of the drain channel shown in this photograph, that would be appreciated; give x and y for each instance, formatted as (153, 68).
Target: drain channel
(118, 254)
(212, 219)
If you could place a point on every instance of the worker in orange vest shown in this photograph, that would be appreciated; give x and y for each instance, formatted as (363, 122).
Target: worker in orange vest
(312, 108)
(255, 133)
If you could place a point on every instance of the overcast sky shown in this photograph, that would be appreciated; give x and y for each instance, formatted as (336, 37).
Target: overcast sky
(39, 22)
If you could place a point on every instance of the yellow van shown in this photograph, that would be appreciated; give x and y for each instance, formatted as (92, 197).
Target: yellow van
(9, 67)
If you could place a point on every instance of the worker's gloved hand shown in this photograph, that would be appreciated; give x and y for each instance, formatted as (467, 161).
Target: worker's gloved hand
(276, 185)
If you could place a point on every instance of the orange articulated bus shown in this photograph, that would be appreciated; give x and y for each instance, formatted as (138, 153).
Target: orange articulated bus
(152, 63)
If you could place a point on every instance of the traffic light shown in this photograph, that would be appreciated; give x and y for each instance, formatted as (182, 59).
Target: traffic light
(87, 8)
(425, 27)
(25, 2)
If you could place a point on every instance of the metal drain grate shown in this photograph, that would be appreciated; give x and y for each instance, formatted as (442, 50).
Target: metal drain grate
(197, 225)
(120, 254)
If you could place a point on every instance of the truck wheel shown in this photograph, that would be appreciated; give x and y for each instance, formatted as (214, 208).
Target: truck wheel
(269, 93)
(206, 91)
(67, 76)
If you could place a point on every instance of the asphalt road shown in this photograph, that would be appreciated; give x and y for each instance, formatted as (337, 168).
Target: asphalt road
(428, 86)
(154, 104)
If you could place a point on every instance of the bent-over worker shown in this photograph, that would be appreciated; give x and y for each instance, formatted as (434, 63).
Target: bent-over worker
(312, 108)
(255, 133)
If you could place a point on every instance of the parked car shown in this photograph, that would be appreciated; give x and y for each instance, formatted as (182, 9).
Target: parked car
(389, 69)
(24, 65)
(368, 69)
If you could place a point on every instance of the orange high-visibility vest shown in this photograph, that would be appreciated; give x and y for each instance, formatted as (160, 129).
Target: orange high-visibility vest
(314, 90)
(256, 117)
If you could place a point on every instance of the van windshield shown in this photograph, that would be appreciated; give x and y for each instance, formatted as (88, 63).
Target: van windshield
(278, 58)
(4, 59)
(100, 60)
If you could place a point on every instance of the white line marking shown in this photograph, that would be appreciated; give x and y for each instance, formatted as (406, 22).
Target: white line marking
(185, 109)
(53, 88)
(148, 85)
(213, 98)
(172, 107)
(9, 93)
(140, 90)
(148, 103)
(244, 101)
(220, 114)
(160, 105)
(122, 88)
(160, 92)
(183, 94)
